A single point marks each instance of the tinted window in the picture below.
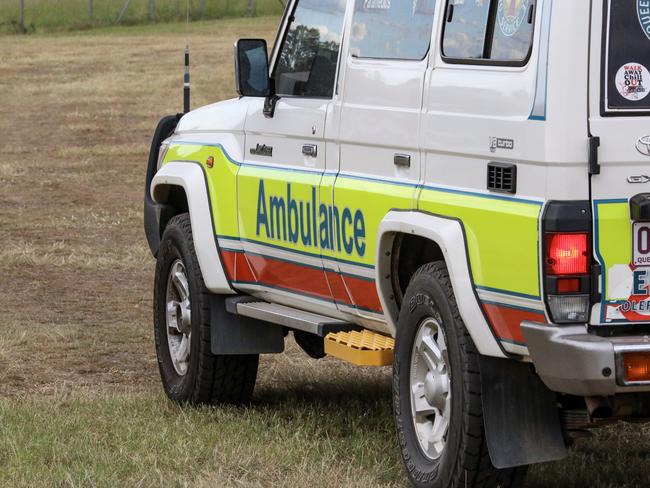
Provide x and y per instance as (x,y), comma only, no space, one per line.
(513,33)
(628,57)
(490,30)
(465,29)
(392,29)
(309,55)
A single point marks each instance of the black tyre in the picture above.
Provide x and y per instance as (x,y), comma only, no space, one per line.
(189,371)
(437,391)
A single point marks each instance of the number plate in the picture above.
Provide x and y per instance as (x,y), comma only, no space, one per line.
(641,240)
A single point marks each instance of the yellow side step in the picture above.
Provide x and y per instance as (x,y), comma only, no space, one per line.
(363,348)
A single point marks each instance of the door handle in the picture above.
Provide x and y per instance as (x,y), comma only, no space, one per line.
(310,150)
(403,160)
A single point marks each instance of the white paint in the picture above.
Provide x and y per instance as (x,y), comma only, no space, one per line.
(190,177)
(619,282)
(448,234)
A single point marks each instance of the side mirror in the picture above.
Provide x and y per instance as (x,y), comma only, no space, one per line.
(252,68)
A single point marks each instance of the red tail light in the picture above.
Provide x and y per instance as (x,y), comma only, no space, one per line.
(568,261)
(567,254)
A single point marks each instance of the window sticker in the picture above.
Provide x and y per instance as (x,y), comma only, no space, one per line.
(376,4)
(632,81)
(643,12)
(512,13)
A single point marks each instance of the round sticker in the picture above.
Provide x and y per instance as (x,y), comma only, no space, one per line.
(510,15)
(632,81)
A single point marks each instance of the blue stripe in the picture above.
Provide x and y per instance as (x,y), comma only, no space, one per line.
(483,195)
(238,251)
(512,307)
(610,200)
(266,256)
(601,261)
(603,302)
(405,184)
(309,295)
(296,251)
(537,112)
(287,169)
(298,263)
(207,144)
(506,292)
(370,179)
(350,275)
(275,287)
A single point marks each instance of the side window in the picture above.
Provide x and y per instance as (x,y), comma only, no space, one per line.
(392,29)
(489,31)
(309,55)
(465,31)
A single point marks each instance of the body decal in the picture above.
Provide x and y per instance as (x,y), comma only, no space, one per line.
(538,111)
(292,233)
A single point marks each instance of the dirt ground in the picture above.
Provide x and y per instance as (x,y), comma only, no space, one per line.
(76,118)
(77,112)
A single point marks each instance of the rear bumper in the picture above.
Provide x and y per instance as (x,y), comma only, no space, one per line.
(570,360)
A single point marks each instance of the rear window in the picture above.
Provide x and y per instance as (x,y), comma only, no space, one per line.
(488,31)
(627,56)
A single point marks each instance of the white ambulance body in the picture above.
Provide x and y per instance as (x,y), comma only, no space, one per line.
(459,188)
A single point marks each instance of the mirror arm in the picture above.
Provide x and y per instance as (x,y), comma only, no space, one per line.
(269,106)
(271,101)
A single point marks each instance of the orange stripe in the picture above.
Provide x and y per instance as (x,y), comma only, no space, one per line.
(244,271)
(506,322)
(290,276)
(228,259)
(364,293)
(348,290)
(339,292)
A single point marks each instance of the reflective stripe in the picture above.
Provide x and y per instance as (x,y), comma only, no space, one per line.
(326,250)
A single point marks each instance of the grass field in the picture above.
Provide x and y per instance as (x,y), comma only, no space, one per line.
(75,14)
(80,400)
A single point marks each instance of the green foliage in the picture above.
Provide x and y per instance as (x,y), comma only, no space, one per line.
(51,15)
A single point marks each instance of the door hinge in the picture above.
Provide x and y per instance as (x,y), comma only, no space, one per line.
(594,164)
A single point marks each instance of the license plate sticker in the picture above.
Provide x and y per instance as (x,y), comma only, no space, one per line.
(641,244)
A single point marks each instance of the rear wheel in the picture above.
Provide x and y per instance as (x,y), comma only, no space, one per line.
(437,391)
(189,371)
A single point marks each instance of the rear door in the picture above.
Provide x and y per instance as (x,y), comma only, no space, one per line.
(385,68)
(620,117)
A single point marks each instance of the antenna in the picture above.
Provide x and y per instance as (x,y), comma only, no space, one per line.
(186,77)
(186,81)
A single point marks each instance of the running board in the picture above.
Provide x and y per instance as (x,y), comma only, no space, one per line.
(292,318)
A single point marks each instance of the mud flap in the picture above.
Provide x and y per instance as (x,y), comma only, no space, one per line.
(522,424)
(235,334)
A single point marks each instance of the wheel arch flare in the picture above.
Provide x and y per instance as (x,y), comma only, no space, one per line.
(448,235)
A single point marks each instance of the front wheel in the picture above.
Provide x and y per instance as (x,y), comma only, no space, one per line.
(437,391)
(189,371)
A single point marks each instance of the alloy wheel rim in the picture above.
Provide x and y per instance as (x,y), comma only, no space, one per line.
(178,317)
(430,387)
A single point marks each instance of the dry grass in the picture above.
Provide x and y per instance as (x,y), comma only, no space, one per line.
(60,15)
(80,401)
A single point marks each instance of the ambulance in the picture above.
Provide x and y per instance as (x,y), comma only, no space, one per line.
(458,189)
